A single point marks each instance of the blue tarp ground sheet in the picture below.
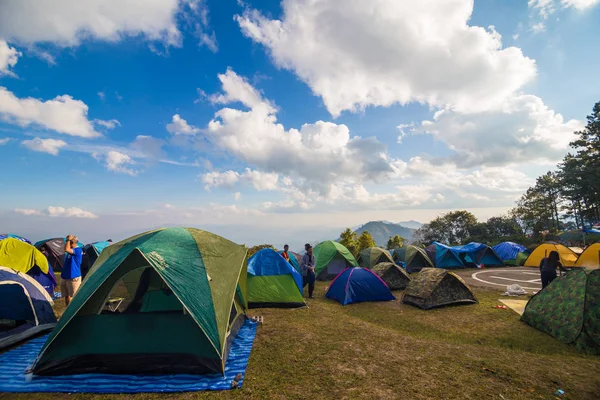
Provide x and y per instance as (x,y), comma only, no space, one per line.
(15,362)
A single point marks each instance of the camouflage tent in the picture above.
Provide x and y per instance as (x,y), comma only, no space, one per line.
(569,310)
(392,275)
(434,287)
(372,256)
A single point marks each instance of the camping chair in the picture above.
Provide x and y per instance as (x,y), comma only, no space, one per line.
(113,304)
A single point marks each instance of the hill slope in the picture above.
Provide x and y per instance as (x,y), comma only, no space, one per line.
(382,230)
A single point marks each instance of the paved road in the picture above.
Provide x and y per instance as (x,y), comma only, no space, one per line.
(500,278)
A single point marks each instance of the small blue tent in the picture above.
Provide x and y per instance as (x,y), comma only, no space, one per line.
(273,282)
(354,285)
(444,256)
(473,254)
(25,305)
(10,235)
(508,250)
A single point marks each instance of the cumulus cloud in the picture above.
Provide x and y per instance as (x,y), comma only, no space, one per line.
(8,58)
(110,124)
(179,126)
(50,146)
(119,162)
(62,114)
(523,129)
(67,23)
(355,53)
(228,179)
(321,152)
(52,211)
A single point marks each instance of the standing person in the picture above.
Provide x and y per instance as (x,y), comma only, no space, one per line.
(285,254)
(308,271)
(71,273)
(548,267)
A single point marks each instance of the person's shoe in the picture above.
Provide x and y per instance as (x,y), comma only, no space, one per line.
(310,297)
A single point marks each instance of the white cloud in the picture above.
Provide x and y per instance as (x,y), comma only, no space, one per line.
(179,126)
(538,27)
(50,146)
(195,13)
(547,7)
(62,114)
(67,22)
(119,162)
(321,153)
(261,180)
(524,129)
(101,95)
(52,211)
(3,141)
(110,124)
(355,53)
(8,58)
(215,179)
(237,196)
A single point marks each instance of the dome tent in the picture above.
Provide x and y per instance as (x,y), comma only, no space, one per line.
(568,309)
(433,287)
(23,257)
(331,258)
(355,285)
(273,282)
(415,258)
(10,235)
(473,254)
(444,256)
(393,276)
(25,308)
(54,250)
(590,258)
(567,256)
(91,252)
(511,253)
(188,303)
(372,256)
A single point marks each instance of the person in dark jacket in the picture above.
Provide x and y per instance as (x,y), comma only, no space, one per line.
(308,270)
(548,267)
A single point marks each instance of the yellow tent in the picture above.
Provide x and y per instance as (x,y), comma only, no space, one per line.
(567,256)
(590,258)
(21,256)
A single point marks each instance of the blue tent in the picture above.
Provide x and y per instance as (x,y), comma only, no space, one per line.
(24,304)
(273,282)
(473,254)
(354,285)
(508,250)
(10,235)
(444,256)
(293,261)
(92,252)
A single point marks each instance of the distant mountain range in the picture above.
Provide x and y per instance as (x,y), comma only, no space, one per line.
(382,230)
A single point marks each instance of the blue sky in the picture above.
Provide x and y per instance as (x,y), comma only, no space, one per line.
(267,122)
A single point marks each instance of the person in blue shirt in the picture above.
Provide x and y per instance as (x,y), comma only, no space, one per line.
(71,272)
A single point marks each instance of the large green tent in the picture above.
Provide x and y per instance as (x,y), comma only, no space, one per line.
(185,291)
(370,257)
(415,258)
(569,309)
(331,258)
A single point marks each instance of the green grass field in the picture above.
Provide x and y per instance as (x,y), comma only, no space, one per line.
(390,350)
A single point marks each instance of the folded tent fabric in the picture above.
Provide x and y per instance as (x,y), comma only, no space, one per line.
(508,251)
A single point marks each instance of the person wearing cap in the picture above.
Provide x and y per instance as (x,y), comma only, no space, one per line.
(71,272)
(308,270)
